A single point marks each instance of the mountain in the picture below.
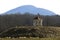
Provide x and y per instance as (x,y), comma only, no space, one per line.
(31,9)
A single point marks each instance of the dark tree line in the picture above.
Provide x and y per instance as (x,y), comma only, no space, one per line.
(13,20)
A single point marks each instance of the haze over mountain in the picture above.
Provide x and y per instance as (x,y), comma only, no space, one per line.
(30,9)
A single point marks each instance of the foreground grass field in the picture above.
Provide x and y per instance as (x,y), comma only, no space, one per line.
(29,38)
(53,33)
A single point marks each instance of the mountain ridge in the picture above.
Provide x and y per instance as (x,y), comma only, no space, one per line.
(30,9)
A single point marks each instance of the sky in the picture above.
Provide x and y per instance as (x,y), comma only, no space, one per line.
(52,5)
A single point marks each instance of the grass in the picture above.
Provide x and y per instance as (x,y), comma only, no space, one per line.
(29,38)
(46,29)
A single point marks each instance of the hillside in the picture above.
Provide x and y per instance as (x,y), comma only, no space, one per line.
(29,31)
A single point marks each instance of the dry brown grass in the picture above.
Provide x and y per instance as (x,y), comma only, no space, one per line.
(54,31)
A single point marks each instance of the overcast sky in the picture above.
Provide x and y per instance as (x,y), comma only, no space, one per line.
(52,5)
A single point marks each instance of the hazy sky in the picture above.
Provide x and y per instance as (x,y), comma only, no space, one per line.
(52,5)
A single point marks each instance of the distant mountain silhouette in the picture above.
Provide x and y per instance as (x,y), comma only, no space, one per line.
(31,9)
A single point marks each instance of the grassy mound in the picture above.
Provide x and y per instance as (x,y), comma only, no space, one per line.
(42,32)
